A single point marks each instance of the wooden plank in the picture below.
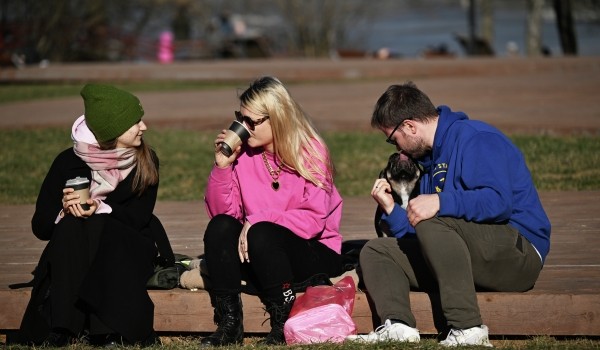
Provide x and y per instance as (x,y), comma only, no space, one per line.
(565,300)
(541,314)
(12,307)
(504,313)
(575,224)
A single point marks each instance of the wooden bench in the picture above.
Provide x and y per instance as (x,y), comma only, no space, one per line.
(564,302)
(531,313)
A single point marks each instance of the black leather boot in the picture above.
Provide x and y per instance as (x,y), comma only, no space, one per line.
(279,313)
(58,338)
(229,320)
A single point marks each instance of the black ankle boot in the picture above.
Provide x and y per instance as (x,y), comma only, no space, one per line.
(58,338)
(229,319)
(112,341)
(278,313)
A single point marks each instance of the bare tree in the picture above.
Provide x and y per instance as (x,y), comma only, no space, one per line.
(534,27)
(316,27)
(79,30)
(566,27)
(487,21)
(473,44)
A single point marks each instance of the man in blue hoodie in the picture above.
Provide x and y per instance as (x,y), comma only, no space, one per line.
(479,221)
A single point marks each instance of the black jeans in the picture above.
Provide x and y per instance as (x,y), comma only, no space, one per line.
(278,257)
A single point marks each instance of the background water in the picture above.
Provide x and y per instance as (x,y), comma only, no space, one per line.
(410,32)
(409,27)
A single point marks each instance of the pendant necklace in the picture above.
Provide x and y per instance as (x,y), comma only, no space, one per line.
(274,173)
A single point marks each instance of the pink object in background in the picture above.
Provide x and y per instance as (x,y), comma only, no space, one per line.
(165,47)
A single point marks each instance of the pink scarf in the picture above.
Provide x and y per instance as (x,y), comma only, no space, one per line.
(109,167)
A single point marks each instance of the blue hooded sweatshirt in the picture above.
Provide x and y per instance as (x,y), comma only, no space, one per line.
(480,176)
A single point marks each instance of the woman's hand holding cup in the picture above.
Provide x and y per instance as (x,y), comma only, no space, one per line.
(221,159)
(229,143)
(76,198)
(72,204)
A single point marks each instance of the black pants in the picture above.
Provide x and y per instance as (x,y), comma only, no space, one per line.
(92,276)
(450,256)
(278,257)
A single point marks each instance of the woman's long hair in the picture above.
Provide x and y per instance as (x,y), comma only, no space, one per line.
(294,135)
(146,173)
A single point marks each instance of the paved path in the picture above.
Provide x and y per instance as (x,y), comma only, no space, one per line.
(549,95)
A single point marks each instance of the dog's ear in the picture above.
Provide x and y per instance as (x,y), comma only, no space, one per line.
(382,174)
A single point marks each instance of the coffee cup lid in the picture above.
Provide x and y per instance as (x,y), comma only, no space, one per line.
(77,181)
(242,124)
(240,129)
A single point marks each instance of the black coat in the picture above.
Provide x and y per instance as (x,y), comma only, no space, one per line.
(92,274)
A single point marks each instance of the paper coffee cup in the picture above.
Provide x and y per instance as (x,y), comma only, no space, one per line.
(81,185)
(234,136)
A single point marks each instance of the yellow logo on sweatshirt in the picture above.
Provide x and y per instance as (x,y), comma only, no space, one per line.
(439,176)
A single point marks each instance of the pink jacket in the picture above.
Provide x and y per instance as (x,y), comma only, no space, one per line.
(244,191)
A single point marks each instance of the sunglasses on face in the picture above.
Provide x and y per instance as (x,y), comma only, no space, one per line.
(249,121)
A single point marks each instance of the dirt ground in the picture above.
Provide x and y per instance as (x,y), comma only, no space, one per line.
(546,95)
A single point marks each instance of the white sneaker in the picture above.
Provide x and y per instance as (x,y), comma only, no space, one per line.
(389,332)
(470,336)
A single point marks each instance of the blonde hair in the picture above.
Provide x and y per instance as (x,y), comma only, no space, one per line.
(294,134)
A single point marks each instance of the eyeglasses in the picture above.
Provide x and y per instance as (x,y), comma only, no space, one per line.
(249,121)
(389,139)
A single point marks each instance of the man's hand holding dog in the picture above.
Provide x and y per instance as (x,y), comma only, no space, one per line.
(422,207)
(382,193)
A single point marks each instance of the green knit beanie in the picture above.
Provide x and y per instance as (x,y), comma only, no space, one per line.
(109,111)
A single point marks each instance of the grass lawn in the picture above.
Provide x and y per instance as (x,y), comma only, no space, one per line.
(533,343)
(186,157)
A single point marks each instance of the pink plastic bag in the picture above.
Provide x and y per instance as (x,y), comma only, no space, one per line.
(322,314)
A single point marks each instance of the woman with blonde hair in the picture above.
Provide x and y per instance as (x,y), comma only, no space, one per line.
(275,212)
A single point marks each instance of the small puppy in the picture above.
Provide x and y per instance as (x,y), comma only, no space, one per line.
(402,173)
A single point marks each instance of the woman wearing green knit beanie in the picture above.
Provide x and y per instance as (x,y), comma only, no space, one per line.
(109,111)
(98,246)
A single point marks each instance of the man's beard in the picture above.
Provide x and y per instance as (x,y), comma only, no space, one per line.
(416,148)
